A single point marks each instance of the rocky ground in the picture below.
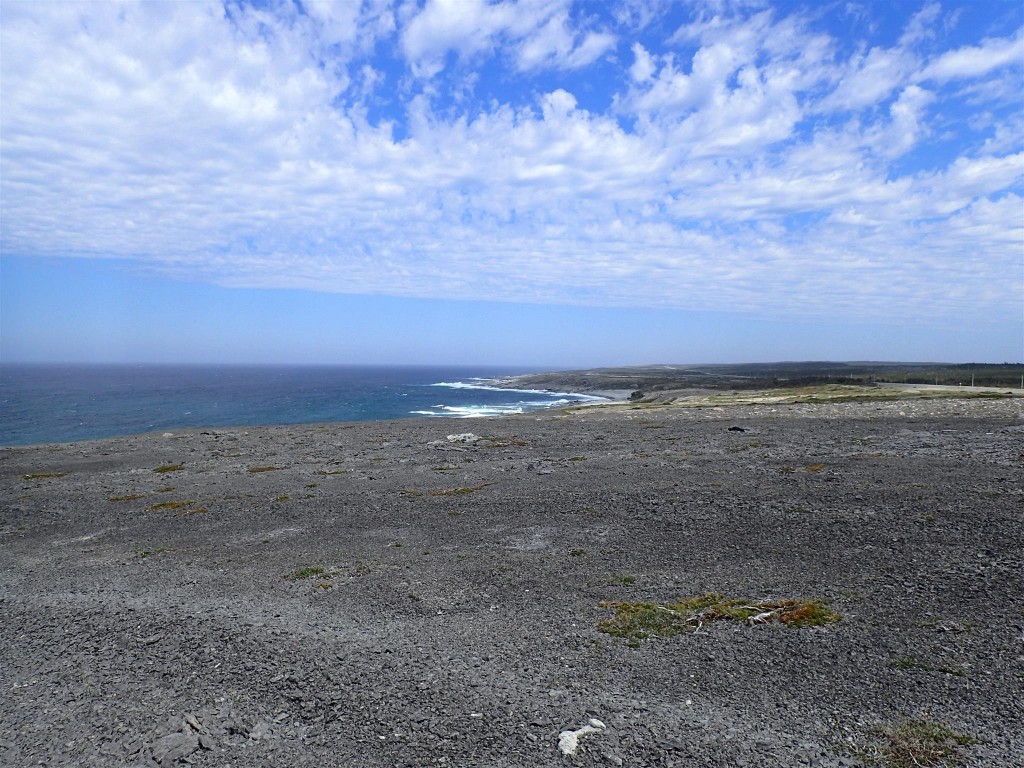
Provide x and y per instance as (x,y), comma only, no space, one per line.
(390,594)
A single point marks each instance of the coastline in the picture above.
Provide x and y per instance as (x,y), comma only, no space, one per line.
(292,594)
(56,404)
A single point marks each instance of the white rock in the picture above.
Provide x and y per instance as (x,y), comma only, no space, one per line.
(465,437)
(568,741)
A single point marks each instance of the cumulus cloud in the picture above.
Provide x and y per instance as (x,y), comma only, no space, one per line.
(744,159)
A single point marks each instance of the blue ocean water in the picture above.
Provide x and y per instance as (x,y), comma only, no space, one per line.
(63,403)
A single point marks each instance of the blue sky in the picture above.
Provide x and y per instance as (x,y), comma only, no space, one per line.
(532,182)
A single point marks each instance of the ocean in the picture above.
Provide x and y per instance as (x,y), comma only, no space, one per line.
(64,403)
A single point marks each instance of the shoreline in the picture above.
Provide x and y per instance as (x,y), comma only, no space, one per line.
(292,594)
(613,399)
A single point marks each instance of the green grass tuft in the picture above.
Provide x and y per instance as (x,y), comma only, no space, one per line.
(915,743)
(169,468)
(43,475)
(171,505)
(637,621)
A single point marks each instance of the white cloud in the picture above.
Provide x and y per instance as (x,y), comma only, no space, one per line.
(541,33)
(870,78)
(239,148)
(643,65)
(977,60)
(920,25)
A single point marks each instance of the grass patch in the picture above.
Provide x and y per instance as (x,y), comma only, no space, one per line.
(446,468)
(411,493)
(263,469)
(171,505)
(43,475)
(156,551)
(196,511)
(326,471)
(915,744)
(622,580)
(460,491)
(281,499)
(637,621)
(505,442)
(128,497)
(169,468)
(306,573)
(814,467)
(578,552)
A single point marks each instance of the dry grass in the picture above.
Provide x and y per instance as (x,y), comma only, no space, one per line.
(171,505)
(637,621)
(914,744)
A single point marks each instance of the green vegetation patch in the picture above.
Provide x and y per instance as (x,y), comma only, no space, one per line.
(157,551)
(43,475)
(504,442)
(325,471)
(306,573)
(622,580)
(194,511)
(171,505)
(915,744)
(637,621)
(169,468)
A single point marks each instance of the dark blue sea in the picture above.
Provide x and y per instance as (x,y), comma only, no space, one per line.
(63,403)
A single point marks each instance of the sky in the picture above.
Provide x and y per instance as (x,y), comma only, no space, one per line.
(545,183)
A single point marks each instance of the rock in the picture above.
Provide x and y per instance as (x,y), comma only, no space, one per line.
(569,741)
(206,741)
(170,748)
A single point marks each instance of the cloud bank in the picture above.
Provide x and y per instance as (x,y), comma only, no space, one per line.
(719,156)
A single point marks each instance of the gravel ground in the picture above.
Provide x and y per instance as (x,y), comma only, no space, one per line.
(151,617)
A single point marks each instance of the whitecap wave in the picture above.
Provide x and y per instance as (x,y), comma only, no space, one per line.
(492,388)
(470,411)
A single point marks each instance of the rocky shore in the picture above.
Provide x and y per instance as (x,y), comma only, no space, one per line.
(433,592)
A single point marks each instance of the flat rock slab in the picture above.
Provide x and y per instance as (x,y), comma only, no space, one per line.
(362,595)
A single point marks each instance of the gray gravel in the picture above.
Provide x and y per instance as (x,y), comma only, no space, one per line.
(460,628)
